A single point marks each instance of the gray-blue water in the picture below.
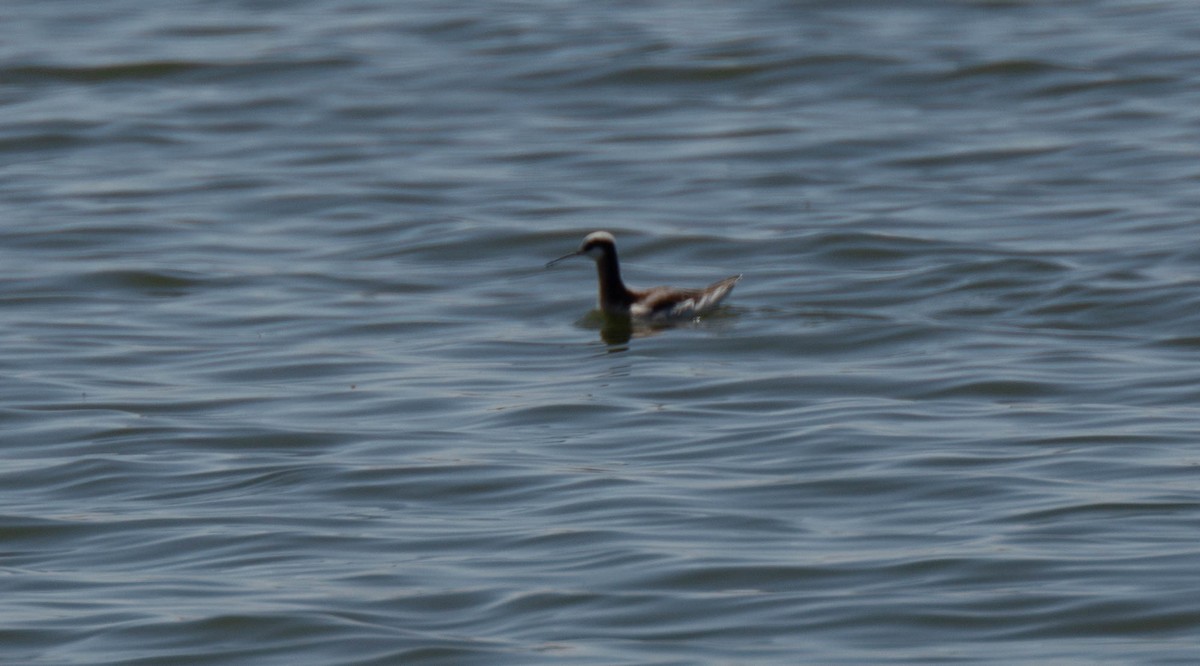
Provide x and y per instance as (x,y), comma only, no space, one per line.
(283,380)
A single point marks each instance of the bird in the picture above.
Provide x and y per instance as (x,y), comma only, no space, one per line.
(653,305)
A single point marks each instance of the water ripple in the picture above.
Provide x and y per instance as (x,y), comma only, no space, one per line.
(282,378)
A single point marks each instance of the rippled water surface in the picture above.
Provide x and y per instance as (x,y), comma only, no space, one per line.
(283,380)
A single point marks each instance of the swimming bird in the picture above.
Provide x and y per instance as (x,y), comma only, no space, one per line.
(656,304)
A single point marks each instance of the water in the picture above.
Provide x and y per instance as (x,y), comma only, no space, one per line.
(282,380)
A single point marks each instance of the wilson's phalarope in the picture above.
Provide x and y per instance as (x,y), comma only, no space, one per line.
(653,304)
